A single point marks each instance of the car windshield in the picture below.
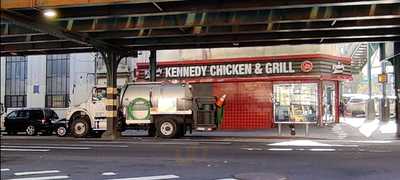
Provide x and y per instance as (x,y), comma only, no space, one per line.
(100,93)
(12,114)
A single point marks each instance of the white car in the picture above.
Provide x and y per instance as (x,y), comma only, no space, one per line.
(356,105)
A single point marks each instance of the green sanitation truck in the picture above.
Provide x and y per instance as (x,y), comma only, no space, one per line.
(164,110)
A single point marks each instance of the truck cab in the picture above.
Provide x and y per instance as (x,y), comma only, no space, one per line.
(90,116)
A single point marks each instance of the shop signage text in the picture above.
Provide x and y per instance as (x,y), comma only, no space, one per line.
(229,70)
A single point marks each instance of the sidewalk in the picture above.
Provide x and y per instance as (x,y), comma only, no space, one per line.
(348,129)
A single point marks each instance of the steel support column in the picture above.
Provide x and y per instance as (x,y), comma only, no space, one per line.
(384,111)
(153,65)
(396,65)
(111,60)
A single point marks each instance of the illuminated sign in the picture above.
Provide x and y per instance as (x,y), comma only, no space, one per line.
(217,69)
(338,68)
(306,66)
(244,69)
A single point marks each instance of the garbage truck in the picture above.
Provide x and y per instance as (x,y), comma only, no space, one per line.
(165,110)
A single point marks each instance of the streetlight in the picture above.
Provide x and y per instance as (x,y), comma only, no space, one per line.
(49,13)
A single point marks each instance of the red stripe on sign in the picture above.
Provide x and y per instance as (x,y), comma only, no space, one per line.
(323,57)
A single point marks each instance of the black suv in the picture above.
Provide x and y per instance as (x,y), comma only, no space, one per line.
(31,121)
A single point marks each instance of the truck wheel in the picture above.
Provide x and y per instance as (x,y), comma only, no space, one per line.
(167,128)
(80,128)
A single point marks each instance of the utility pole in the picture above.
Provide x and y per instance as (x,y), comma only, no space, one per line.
(371,104)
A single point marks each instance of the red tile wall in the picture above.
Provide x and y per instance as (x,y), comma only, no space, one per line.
(247,105)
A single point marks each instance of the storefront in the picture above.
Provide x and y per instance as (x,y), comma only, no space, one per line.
(264,90)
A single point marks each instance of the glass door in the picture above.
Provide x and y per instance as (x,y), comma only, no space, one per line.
(329,103)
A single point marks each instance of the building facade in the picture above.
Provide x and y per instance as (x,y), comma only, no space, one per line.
(53,81)
(61,81)
(263,90)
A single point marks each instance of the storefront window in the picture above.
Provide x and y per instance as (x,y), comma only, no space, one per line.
(296,102)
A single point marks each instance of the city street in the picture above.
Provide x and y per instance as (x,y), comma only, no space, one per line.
(199,90)
(141,158)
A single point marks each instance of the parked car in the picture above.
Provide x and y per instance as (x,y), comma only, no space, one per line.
(31,121)
(356,105)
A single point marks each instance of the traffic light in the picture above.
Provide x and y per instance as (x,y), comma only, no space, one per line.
(382,78)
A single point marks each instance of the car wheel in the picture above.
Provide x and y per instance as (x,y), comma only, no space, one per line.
(80,128)
(61,131)
(167,128)
(30,130)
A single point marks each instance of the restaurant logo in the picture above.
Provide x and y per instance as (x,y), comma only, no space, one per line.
(306,66)
(338,68)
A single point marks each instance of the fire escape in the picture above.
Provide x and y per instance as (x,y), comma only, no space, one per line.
(359,58)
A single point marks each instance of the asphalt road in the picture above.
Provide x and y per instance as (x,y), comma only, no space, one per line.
(136,158)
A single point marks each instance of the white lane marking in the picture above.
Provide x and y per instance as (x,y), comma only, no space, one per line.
(71,145)
(5,169)
(26,150)
(150,177)
(165,143)
(143,142)
(36,172)
(373,141)
(322,150)
(49,147)
(42,178)
(108,174)
(227,179)
(102,142)
(218,143)
(308,143)
(280,149)
(252,149)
